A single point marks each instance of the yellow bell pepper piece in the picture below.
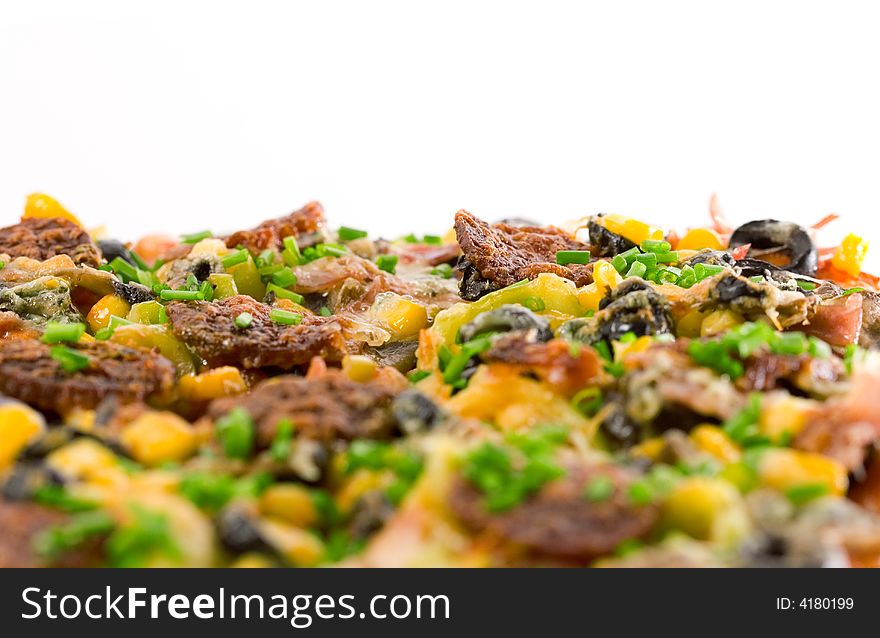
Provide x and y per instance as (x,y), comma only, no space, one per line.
(708,509)
(633,229)
(850,255)
(699,238)
(714,441)
(20,425)
(106,307)
(145,336)
(783,469)
(557,294)
(783,414)
(358,367)
(84,459)
(40,205)
(719,322)
(402,317)
(158,437)
(212,384)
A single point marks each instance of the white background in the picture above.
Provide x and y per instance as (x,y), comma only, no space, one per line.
(180,116)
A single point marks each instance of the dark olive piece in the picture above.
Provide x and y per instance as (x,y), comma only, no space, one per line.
(604,243)
(414,412)
(369,514)
(507,318)
(783,244)
(237,532)
(112,248)
(473,285)
(132,293)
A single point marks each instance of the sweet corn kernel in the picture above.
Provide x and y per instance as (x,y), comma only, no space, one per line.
(402,317)
(212,384)
(719,322)
(106,307)
(290,503)
(650,448)
(358,367)
(690,324)
(707,509)
(42,205)
(714,441)
(641,344)
(299,546)
(783,415)
(850,255)
(699,238)
(158,437)
(783,469)
(356,486)
(19,426)
(83,458)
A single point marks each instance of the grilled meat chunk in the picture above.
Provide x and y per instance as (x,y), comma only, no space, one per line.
(495,256)
(42,238)
(270,234)
(328,407)
(29,373)
(209,330)
(22,522)
(558,521)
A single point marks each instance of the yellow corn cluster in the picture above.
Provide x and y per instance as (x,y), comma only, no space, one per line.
(158,437)
(358,367)
(783,469)
(290,503)
(107,306)
(212,384)
(707,509)
(403,317)
(850,255)
(19,426)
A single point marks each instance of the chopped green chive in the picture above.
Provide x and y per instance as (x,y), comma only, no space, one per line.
(619,263)
(283,293)
(432,240)
(124,269)
(743,427)
(818,348)
(534,303)
(234,259)
(280,448)
(55,541)
(656,246)
(637,269)
(70,360)
(2,264)
(411,239)
(649,259)
(704,271)
(443,270)
(564,257)
(236,433)
(243,320)
(196,237)
(587,401)
(669,257)
(284,278)
(805,285)
(801,494)
(265,258)
(348,234)
(851,291)
(60,332)
(415,376)
(180,295)
(388,263)
(640,493)
(325,311)
(793,343)
(599,489)
(291,254)
(285,317)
